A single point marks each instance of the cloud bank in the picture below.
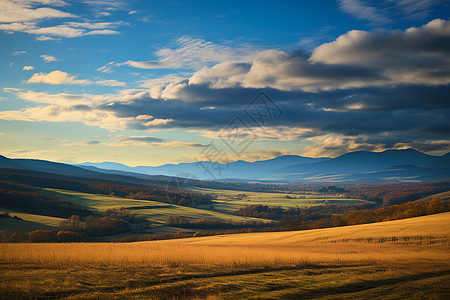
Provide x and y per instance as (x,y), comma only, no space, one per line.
(362,91)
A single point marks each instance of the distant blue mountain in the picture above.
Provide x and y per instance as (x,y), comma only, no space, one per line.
(360,166)
(80,173)
(206,170)
(364,166)
(364,161)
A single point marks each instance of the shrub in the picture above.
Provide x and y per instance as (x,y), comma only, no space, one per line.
(68,236)
(42,236)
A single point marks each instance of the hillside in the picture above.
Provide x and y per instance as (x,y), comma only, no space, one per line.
(405,259)
(429,227)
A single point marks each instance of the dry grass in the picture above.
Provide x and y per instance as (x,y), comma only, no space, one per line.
(406,256)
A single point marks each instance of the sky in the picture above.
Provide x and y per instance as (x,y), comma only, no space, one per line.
(156,82)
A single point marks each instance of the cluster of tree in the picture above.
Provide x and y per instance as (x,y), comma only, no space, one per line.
(331,189)
(240,185)
(178,196)
(118,221)
(39,236)
(395,193)
(27,199)
(178,221)
(306,213)
(115,221)
(364,216)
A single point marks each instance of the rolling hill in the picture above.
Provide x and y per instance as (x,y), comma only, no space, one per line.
(404,259)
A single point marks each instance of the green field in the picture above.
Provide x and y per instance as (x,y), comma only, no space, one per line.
(223,207)
(230,200)
(156,211)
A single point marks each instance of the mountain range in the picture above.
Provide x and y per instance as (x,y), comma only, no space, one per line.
(361,166)
(364,166)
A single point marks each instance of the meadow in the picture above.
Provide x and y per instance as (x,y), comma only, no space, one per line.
(390,260)
(156,211)
(222,208)
(231,200)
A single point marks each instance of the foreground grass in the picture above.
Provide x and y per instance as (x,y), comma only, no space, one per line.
(392,260)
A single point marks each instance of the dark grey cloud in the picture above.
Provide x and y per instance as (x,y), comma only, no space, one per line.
(148,139)
(363,91)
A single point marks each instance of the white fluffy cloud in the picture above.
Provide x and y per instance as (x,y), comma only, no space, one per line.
(27,68)
(88,109)
(24,10)
(60,77)
(56,77)
(402,57)
(25,16)
(355,59)
(48,58)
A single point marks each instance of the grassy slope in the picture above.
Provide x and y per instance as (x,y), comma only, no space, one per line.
(44,220)
(156,211)
(336,263)
(21,225)
(431,226)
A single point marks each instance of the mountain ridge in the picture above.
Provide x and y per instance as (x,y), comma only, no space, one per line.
(358,166)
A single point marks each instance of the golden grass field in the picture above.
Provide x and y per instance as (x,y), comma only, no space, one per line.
(392,260)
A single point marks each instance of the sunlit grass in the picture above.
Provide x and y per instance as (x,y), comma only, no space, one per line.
(156,211)
(405,256)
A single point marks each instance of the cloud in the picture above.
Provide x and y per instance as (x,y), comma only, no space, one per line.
(107,68)
(361,10)
(63,30)
(26,16)
(48,58)
(273,133)
(415,56)
(194,53)
(365,90)
(60,77)
(110,5)
(45,38)
(138,141)
(24,153)
(109,82)
(96,26)
(260,154)
(25,11)
(333,145)
(27,68)
(55,77)
(383,12)
(19,52)
(355,59)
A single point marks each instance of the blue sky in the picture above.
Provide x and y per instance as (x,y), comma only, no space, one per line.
(154,82)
